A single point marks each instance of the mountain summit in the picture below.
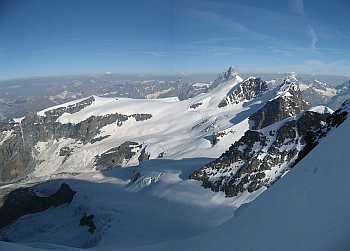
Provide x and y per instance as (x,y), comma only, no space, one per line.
(224,77)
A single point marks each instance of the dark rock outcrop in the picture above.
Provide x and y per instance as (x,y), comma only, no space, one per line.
(218,135)
(65,151)
(280,108)
(54,114)
(194,106)
(312,137)
(5,239)
(115,156)
(24,201)
(136,177)
(88,221)
(249,89)
(259,158)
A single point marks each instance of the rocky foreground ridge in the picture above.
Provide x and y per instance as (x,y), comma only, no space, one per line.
(283,132)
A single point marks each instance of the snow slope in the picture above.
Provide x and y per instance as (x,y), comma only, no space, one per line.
(308,209)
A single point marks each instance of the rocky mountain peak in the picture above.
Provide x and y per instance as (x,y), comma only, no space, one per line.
(288,102)
(224,77)
(292,77)
(231,71)
(344,87)
(248,89)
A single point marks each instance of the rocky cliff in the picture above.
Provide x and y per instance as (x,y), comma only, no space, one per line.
(261,157)
(282,133)
(249,89)
(288,102)
(18,139)
(24,201)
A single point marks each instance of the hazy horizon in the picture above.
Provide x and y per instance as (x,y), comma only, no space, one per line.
(191,78)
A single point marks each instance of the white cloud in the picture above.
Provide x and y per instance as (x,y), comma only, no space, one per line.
(236,28)
(313,37)
(297,7)
(108,73)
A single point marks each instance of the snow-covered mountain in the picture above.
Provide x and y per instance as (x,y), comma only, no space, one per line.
(343,93)
(128,161)
(250,88)
(224,77)
(316,92)
(260,158)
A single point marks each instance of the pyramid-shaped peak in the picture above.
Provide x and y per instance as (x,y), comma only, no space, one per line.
(224,77)
(231,70)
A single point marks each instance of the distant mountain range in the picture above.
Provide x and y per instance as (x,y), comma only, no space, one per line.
(31,95)
(316,92)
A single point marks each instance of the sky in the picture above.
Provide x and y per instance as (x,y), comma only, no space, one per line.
(183,37)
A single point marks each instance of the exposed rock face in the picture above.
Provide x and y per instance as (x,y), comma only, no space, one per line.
(17,139)
(65,151)
(136,176)
(115,156)
(15,153)
(218,135)
(312,137)
(88,221)
(223,77)
(288,104)
(56,113)
(249,89)
(63,196)
(182,96)
(23,201)
(259,158)
(194,106)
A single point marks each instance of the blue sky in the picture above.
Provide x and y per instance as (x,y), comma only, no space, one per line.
(43,38)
